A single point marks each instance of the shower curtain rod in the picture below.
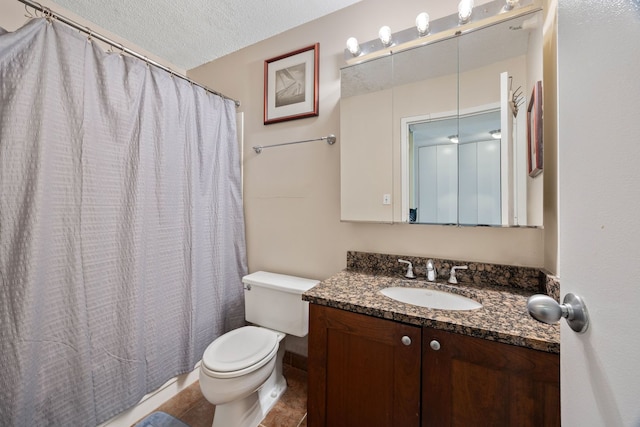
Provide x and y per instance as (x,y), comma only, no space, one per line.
(331,139)
(48,13)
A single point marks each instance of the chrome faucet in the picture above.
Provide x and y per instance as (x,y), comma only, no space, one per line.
(409,274)
(431,271)
(452,276)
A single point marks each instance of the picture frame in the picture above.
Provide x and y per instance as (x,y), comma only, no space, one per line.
(534,131)
(291,85)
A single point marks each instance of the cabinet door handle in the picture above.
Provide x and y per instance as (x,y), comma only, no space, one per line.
(406,340)
(435,345)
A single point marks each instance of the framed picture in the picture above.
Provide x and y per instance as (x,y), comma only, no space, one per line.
(534,130)
(291,85)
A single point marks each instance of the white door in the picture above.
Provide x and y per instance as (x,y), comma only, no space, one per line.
(437,183)
(599,208)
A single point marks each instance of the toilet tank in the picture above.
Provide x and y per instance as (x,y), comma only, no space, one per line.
(275,301)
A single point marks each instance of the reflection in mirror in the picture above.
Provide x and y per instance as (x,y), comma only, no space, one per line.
(368,77)
(482,178)
(456,176)
(494,63)
(366,173)
(465,85)
(425,90)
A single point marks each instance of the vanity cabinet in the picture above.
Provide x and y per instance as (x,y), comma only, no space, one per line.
(471,381)
(362,370)
(368,371)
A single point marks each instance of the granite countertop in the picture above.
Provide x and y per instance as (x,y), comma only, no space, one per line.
(502,318)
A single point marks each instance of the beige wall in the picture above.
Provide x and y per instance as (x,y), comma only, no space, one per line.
(12,17)
(550,137)
(292,193)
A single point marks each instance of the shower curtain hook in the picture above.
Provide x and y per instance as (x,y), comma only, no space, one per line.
(121,51)
(37,13)
(90,34)
(48,14)
(147,61)
(28,15)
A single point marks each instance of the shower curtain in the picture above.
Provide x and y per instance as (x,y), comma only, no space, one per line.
(121,227)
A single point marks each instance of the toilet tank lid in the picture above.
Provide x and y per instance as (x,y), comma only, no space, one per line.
(282,282)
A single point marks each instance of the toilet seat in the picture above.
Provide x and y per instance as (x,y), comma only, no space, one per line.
(240,352)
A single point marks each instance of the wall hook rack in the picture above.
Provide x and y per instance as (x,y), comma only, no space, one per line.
(331,139)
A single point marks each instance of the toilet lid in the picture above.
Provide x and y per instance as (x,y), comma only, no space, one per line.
(239,349)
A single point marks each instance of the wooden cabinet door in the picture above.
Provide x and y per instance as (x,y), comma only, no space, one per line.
(360,373)
(474,382)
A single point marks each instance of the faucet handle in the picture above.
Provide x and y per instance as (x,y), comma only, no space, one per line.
(431,271)
(409,274)
(452,277)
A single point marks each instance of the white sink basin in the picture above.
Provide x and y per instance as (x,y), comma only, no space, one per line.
(431,298)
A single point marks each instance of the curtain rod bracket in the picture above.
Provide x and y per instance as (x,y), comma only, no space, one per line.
(331,139)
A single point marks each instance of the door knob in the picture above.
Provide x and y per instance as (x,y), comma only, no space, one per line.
(435,345)
(547,310)
(406,340)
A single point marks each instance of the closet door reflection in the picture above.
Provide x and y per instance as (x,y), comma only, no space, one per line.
(437,184)
(479,188)
(425,109)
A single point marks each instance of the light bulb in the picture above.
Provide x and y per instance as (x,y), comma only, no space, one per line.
(454,139)
(385,35)
(422,23)
(465,8)
(496,134)
(510,4)
(353,46)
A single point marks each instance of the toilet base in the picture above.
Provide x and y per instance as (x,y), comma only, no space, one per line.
(251,410)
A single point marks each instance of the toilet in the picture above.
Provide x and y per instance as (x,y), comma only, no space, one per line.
(241,371)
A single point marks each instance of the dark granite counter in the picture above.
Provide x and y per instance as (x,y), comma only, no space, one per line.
(502,318)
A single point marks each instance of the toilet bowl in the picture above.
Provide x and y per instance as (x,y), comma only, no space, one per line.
(241,371)
(234,375)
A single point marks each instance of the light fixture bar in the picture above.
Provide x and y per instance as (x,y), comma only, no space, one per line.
(441,29)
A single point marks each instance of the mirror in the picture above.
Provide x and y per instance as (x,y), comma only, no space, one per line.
(366,174)
(462,150)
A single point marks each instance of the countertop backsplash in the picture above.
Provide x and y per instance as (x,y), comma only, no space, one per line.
(525,278)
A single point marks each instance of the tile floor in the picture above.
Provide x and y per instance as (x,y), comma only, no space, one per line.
(192,408)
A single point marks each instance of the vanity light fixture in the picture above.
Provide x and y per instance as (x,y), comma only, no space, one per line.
(496,134)
(454,139)
(353,46)
(385,36)
(465,9)
(428,31)
(422,24)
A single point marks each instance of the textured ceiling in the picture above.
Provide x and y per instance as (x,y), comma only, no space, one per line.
(189,33)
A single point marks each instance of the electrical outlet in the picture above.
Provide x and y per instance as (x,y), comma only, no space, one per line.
(386,199)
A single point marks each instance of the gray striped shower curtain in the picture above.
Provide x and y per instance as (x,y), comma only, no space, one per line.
(122,241)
